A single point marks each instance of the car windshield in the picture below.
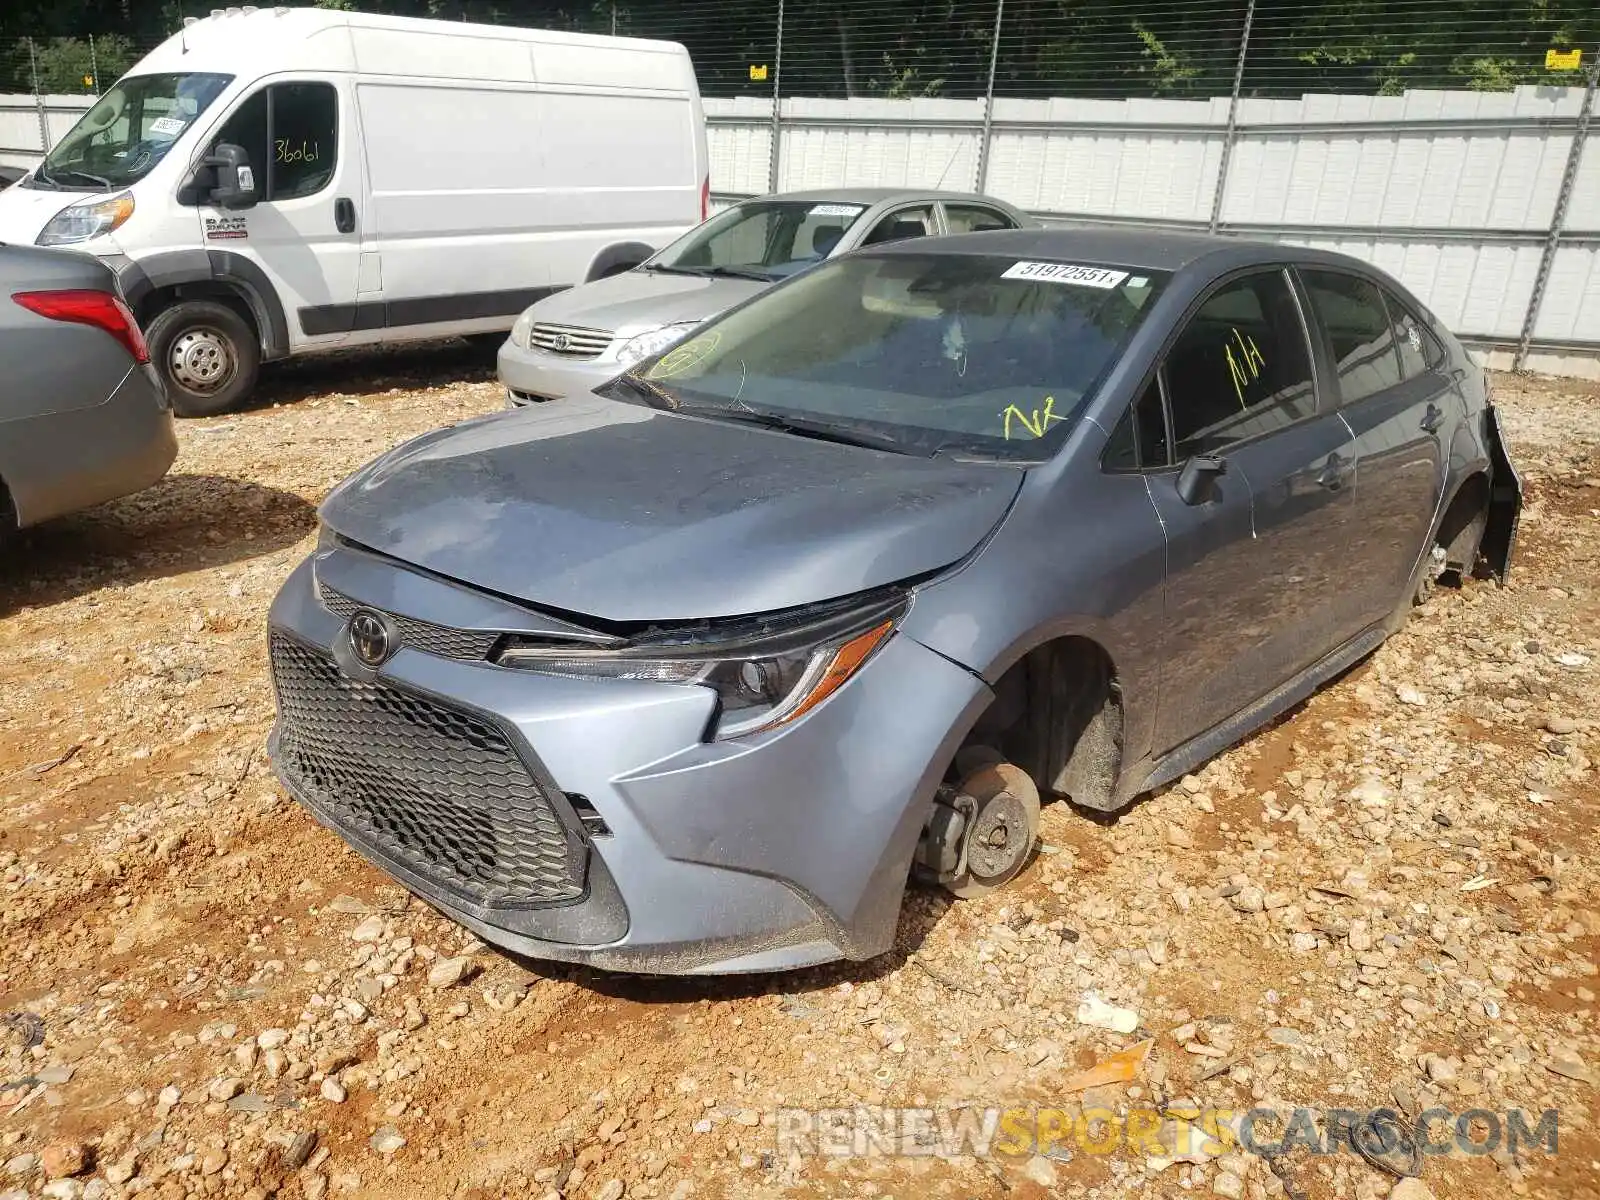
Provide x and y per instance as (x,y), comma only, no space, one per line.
(760,239)
(128,131)
(919,353)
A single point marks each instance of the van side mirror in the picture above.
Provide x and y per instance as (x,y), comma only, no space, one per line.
(235,179)
(1197,481)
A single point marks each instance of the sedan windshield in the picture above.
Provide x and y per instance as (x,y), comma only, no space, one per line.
(920,353)
(759,239)
(128,131)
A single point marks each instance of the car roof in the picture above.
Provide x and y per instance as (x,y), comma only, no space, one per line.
(1150,249)
(874,195)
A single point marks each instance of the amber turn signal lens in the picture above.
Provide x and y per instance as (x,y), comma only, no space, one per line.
(847,660)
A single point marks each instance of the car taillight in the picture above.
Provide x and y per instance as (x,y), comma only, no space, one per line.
(705,198)
(83,306)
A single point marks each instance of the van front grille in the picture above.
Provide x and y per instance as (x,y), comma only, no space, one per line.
(569,341)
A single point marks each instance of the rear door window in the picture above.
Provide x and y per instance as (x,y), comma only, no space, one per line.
(902,224)
(1420,351)
(1240,368)
(1358,329)
(975,218)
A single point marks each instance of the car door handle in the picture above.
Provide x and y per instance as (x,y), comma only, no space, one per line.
(1334,472)
(1432,418)
(344,215)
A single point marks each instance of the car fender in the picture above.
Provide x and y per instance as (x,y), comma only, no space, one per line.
(617,257)
(139,278)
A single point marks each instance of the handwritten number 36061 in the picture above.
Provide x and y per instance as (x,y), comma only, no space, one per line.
(304,152)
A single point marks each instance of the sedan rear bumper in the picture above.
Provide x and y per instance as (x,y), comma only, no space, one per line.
(61,462)
(764,853)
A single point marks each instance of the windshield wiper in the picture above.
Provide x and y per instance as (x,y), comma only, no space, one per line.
(665,270)
(740,273)
(94,179)
(652,395)
(799,426)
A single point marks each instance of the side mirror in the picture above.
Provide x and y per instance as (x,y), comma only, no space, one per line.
(235,179)
(1197,481)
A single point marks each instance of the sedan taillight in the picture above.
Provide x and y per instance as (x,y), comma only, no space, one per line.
(83,306)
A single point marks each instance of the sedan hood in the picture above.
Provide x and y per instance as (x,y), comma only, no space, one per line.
(639,300)
(623,513)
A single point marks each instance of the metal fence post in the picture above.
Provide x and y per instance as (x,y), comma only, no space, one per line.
(1569,179)
(777,119)
(988,99)
(38,101)
(94,67)
(1233,118)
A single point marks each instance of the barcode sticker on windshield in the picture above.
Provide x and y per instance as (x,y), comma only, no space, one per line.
(834,210)
(1095,277)
(168,126)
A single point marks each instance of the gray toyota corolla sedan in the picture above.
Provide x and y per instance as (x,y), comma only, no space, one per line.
(690,674)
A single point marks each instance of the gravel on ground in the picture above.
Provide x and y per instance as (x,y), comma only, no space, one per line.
(1387,898)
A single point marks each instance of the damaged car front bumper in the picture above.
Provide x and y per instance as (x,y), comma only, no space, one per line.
(593,821)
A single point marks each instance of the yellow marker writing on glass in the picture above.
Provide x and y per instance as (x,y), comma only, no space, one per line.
(1035,424)
(1247,366)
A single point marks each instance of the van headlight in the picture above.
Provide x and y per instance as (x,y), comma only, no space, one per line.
(765,672)
(653,341)
(80,222)
(521,329)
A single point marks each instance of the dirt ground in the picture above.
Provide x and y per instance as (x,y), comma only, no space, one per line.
(1387,898)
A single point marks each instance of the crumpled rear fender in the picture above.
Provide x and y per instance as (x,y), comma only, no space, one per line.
(1505,501)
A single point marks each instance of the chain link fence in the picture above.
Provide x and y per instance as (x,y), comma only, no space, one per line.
(1209,104)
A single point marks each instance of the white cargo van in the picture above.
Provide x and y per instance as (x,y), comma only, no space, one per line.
(275,182)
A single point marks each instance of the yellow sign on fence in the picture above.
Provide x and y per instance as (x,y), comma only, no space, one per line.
(758,74)
(1562,60)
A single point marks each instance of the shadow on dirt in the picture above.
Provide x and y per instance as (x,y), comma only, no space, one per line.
(184,523)
(371,370)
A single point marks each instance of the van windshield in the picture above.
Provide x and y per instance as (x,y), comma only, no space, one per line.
(759,239)
(128,131)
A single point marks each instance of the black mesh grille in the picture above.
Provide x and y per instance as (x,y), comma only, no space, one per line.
(439,791)
(419,635)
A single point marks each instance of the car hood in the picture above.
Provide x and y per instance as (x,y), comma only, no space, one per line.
(24,212)
(624,513)
(638,300)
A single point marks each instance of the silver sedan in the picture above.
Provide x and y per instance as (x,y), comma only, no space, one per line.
(580,338)
(83,417)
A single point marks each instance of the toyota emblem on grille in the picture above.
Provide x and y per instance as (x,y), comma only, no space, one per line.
(560,343)
(370,638)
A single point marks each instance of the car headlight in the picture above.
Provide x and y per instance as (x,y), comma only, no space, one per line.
(653,342)
(521,329)
(80,222)
(765,671)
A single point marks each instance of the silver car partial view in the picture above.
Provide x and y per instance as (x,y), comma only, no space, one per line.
(579,339)
(83,416)
(693,672)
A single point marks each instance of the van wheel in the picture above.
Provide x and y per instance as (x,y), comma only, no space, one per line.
(207,354)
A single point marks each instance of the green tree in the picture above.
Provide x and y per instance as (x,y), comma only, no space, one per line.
(75,66)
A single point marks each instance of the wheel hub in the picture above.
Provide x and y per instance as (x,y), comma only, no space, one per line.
(202,360)
(998,840)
